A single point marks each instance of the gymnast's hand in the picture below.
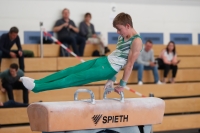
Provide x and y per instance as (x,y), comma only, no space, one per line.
(119,89)
(108,85)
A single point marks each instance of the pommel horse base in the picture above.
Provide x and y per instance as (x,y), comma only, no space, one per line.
(90,116)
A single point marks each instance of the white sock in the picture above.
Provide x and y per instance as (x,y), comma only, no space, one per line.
(32,80)
(28,82)
(28,78)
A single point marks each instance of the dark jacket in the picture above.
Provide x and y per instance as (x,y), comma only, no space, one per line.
(83,29)
(7,78)
(65,31)
(6,44)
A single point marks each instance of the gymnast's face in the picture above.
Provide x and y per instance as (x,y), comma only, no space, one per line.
(122,30)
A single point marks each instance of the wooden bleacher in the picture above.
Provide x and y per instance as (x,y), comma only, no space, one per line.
(56,64)
(182,99)
(179,90)
(52,50)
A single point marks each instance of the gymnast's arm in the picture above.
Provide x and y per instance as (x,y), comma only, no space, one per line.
(133,55)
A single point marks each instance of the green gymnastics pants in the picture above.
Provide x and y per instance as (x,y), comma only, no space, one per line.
(87,72)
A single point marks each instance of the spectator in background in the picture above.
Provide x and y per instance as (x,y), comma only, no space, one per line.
(87,30)
(10,81)
(68,33)
(168,60)
(7,40)
(146,61)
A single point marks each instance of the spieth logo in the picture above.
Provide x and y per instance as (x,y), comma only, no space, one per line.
(109,119)
(96,119)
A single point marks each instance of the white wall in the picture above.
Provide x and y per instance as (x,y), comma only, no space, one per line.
(166,16)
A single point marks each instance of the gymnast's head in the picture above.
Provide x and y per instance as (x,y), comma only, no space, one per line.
(123,23)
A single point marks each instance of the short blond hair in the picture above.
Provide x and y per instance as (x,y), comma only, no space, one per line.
(122,19)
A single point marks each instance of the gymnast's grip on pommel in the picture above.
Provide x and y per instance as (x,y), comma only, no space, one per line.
(110,90)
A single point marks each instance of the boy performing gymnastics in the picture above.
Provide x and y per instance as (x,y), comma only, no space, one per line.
(128,48)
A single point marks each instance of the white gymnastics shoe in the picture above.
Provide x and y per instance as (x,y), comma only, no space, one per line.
(28,82)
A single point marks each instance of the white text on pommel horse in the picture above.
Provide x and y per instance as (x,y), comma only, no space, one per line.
(115,119)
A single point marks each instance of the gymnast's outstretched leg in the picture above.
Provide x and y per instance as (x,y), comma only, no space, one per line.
(102,70)
(68,71)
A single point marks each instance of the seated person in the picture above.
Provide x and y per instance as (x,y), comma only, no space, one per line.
(87,30)
(10,81)
(7,40)
(146,61)
(168,60)
(68,33)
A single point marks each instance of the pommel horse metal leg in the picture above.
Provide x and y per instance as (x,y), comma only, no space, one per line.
(100,116)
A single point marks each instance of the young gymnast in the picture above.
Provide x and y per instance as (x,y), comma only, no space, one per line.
(128,48)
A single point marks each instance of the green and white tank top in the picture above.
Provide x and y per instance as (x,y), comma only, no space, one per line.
(119,57)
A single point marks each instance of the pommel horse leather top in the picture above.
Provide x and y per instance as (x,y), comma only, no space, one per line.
(106,113)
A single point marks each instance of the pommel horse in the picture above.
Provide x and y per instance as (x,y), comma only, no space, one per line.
(96,116)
